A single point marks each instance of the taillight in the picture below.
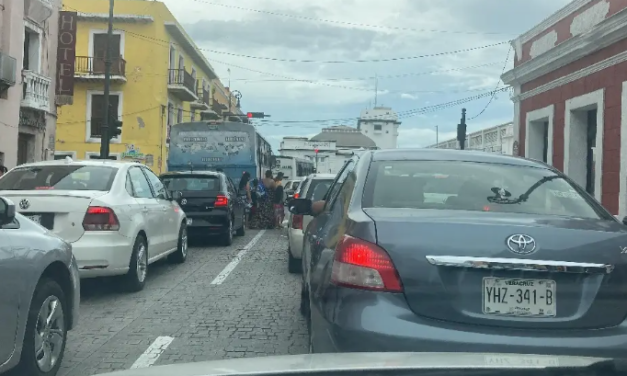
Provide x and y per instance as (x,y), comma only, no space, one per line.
(100,218)
(364,265)
(297,221)
(296,195)
(221,201)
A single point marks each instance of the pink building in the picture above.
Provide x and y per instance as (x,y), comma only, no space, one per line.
(28,53)
(570,96)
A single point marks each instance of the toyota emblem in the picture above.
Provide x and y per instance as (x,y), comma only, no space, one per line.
(521,244)
(24,204)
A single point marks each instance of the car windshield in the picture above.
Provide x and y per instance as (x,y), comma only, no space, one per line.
(454,185)
(318,188)
(191,183)
(66,177)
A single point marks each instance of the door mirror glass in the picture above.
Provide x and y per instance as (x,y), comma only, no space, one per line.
(300,206)
(7,211)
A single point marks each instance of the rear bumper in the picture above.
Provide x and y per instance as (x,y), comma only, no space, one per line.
(102,254)
(205,224)
(295,238)
(374,322)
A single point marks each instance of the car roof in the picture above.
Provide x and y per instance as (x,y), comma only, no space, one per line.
(204,173)
(322,176)
(83,162)
(452,155)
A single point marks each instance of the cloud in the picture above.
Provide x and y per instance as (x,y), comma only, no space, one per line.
(459,24)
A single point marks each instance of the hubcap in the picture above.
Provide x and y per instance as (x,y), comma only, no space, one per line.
(184,242)
(142,263)
(49,334)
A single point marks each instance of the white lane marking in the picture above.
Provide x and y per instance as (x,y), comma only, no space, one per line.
(153,352)
(229,268)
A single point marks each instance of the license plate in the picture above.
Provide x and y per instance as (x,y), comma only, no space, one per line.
(34,218)
(519,297)
(189,221)
(513,361)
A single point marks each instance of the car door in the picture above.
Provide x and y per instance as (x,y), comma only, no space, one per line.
(169,217)
(150,209)
(12,294)
(238,204)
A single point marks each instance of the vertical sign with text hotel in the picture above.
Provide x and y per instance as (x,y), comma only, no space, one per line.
(66,58)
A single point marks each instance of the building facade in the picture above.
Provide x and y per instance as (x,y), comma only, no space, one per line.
(159,78)
(570,96)
(380,124)
(28,54)
(497,139)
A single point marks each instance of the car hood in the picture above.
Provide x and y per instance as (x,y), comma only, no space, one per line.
(358,361)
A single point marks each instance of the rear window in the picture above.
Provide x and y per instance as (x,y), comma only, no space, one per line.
(475,187)
(318,188)
(66,177)
(191,183)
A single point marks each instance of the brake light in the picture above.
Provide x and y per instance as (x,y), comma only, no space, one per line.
(221,201)
(364,265)
(297,221)
(100,218)
(296,195)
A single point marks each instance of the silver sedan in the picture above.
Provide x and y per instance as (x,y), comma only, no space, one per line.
(39,295)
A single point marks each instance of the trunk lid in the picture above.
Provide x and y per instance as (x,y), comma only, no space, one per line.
(457,266)
(61,212)
(199,201)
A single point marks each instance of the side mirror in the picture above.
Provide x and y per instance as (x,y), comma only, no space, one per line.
(300,206)
(7,211)
(624,221)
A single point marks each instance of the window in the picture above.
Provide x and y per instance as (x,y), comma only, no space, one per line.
(454,185)
(193,116)
(156,184)
(70,177)
(90,155)
(32,51)
(99,51)
(97,113)
(59,155)
(334,190)
(318,188)
(378,127)
(141,187)
(179,116)
(191,183)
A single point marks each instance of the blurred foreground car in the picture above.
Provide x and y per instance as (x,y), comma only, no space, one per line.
(39,298)
(446,250)
(117,215)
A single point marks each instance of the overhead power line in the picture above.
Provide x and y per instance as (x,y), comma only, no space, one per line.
(344,23)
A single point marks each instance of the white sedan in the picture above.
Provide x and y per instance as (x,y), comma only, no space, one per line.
(117,215)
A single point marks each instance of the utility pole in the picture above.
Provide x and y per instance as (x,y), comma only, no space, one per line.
(104,136)
(461,131)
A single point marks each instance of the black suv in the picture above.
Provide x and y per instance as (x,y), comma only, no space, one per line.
(211,201)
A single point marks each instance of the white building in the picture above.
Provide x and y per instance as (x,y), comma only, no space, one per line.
(380,124)
(334,145)
(497,139)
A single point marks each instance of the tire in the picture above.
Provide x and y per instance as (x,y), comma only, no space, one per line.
(227,236)
(242,230)
(46,294)
(180,255)
(293,264)
(135,279)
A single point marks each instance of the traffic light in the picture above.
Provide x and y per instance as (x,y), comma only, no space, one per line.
(256,115)
(115,129)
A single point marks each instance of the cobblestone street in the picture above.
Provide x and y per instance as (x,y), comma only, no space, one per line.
(224,302)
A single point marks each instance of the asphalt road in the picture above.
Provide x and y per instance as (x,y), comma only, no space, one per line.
(224,302)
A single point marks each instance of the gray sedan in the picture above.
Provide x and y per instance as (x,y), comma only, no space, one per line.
(443,250)
(39,295)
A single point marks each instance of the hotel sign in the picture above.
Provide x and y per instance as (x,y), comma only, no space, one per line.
(66,58)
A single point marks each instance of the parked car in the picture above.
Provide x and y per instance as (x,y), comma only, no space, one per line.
(290,188)
(314,187)
(211,202)
(516,259)
(39,298)
(117,215)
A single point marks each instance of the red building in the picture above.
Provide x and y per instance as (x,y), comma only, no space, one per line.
(570,96)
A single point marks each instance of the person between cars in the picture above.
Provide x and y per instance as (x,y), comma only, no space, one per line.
(279,208)
(244,184)
(3,170)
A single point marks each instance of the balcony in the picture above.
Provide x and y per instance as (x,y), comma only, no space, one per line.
(92,69)
(38,10)
(203,102)
(182,85)
(36,91)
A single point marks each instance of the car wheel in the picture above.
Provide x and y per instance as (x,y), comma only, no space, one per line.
(242,230)
(227,236)
(135,279)
(180,255)
(293,264)
(46,331)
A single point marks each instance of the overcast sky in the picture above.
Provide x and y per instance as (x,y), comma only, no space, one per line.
(280,30)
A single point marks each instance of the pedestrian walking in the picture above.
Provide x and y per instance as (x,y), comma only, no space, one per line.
(279,206)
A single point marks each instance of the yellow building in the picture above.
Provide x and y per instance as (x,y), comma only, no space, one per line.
(159,78)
